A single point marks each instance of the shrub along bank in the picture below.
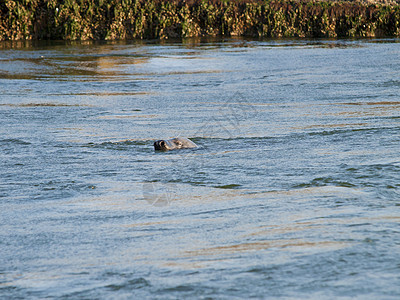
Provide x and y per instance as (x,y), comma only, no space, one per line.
(158,19)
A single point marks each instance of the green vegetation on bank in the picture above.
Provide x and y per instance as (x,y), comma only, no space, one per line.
(149,19)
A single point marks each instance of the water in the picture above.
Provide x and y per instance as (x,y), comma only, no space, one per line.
(293,192)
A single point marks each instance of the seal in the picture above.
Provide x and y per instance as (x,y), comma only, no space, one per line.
(176,143)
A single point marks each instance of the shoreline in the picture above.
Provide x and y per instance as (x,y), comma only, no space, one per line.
(158,19)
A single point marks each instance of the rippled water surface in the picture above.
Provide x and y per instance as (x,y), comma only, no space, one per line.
(292,193)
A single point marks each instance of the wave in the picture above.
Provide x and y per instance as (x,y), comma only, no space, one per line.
(118,145)
(382,176)
(325,181)
(13,142)
(46,104)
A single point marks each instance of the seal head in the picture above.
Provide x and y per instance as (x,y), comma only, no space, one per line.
(176,143)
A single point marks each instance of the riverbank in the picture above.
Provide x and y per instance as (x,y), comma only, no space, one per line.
(157,19)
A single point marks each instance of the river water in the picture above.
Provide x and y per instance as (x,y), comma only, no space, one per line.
(294,191)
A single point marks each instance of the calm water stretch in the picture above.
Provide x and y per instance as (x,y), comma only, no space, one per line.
(293,193)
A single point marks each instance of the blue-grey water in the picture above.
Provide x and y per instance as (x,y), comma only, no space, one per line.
(294,191)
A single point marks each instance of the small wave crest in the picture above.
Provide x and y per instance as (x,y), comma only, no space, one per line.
(117,145)
(13,142)
(46,104)
(325,181)
(363,176)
